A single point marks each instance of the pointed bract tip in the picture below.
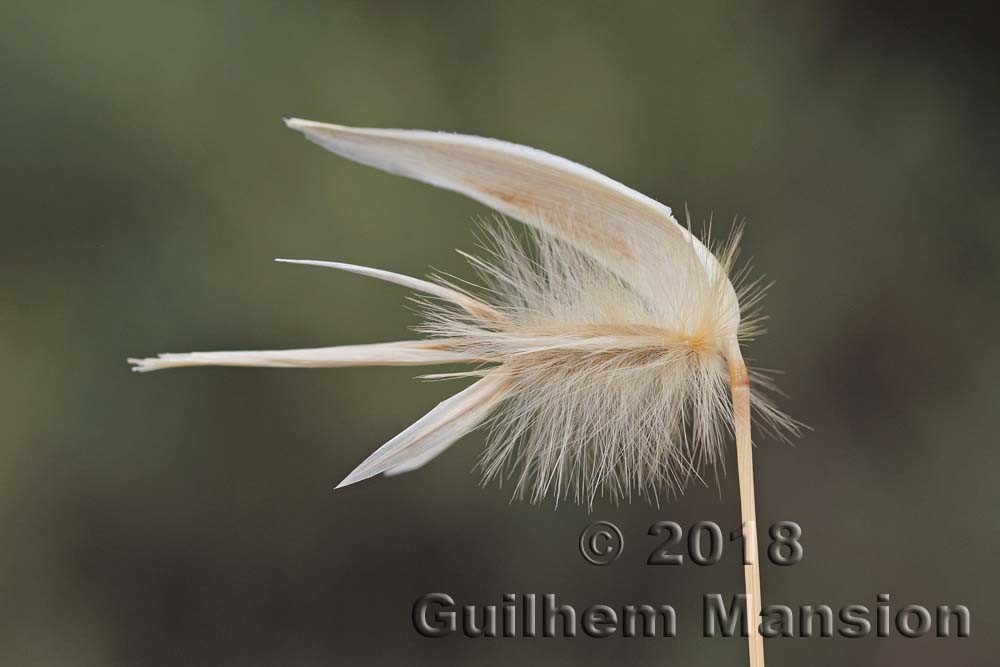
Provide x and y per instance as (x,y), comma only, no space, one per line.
(347,482)
(306,127)
(314,262)
(309,126)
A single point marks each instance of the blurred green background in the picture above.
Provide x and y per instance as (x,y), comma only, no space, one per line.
(189,517)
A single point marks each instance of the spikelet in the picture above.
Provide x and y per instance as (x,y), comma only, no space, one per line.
(606,347)
(601,339)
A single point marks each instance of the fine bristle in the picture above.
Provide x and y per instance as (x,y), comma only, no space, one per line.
(610,394)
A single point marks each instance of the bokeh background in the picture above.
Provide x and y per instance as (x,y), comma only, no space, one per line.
(189,517)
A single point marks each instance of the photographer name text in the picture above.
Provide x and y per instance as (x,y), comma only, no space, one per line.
(533,615)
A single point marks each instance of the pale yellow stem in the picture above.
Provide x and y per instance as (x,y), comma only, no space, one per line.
(740,384)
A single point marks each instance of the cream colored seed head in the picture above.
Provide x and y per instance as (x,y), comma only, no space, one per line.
(603,342)
(606,348)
